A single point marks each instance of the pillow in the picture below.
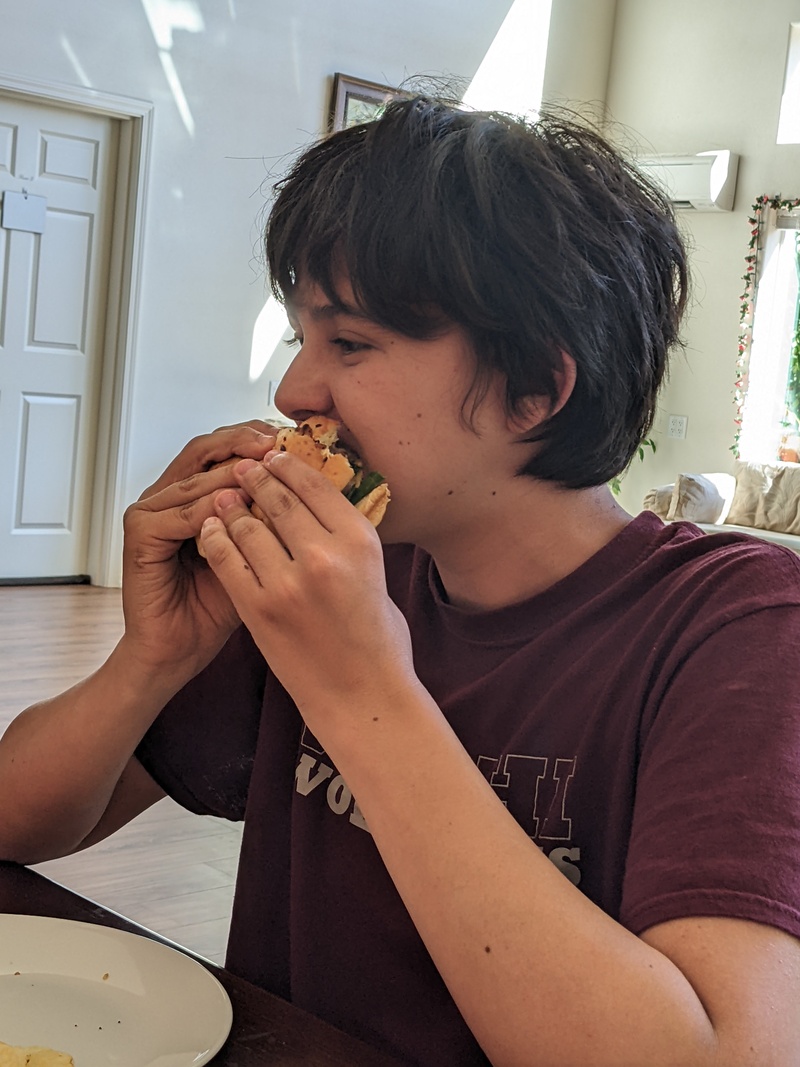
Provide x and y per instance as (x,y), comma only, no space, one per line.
(781,503)
(753,480)
(658,500)
(702,497)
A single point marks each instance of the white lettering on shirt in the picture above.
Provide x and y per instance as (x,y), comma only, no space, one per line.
(537,800)
(311,773)
(304,781)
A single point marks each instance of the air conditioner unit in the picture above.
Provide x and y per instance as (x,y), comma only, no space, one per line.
(705,182)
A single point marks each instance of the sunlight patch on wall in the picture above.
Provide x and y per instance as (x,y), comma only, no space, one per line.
(75,63)
(165,16)
(511,75)
(178,95)
(268,332)
(789,121)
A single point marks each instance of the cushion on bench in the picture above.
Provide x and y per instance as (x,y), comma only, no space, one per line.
(759,499)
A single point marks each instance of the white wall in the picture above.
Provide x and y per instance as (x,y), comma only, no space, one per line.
(686,76)
(256,78)
(579,55)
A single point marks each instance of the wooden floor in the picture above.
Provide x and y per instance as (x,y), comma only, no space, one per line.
(169,870)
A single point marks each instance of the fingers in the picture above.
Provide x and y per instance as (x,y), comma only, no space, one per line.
(176,512)
(232,541)
(250,440)
(252,566)
(301,508)
(278,515)
(292,495)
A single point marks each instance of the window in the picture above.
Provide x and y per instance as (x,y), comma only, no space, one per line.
(768,378)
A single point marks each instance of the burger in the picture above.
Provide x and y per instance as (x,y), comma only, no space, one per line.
(316,442)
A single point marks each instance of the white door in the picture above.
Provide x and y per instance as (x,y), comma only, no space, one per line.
(53,296)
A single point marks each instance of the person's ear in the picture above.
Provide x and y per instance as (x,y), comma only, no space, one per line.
(534,410)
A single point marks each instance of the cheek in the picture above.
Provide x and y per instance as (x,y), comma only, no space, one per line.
(411,441)
(407,428)
(427,469)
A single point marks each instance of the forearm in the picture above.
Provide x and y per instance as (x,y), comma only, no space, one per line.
(540,973)
(61,759)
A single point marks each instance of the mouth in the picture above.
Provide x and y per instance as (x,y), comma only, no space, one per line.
(349,443)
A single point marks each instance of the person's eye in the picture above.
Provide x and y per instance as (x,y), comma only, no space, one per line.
(348,347)
(292,342)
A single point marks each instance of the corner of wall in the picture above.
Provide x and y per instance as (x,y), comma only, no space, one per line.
(579,54)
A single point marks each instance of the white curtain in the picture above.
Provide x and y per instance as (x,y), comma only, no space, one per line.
(774,324)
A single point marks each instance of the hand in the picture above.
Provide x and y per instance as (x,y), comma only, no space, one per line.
(312,593)
(244,439)
(177,615)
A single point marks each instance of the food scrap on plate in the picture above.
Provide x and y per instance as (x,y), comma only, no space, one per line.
(33,1056)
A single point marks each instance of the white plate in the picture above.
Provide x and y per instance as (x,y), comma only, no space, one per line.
(107,997)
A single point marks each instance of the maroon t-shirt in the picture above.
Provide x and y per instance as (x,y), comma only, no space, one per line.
(640,719)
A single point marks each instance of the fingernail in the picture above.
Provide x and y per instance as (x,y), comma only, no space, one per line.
(246,465)
(226,499)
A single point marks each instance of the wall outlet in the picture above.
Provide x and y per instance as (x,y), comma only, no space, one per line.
(676,426)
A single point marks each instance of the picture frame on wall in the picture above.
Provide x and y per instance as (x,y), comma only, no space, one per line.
(354,100)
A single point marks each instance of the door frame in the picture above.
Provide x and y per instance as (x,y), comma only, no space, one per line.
(135,124)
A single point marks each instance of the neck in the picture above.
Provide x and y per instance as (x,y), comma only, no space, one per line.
(547,534)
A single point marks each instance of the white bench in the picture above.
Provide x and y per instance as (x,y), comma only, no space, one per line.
(786,539)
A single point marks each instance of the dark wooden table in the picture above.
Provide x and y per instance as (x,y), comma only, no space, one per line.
(266,1030)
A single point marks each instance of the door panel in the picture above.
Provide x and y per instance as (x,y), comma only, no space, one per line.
(46,477)
(72,158)
(53,291)
(59,281)
(8,139)
(4,243)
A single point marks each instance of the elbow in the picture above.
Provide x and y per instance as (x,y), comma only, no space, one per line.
(24,850)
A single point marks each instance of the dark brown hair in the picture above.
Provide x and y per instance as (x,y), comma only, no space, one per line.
(535,238)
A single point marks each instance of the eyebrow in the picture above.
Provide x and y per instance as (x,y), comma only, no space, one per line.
(324,312)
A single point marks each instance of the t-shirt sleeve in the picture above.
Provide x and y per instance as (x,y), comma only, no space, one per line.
(201,747)
(716,828)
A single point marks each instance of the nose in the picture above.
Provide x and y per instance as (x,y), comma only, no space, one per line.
(304,389)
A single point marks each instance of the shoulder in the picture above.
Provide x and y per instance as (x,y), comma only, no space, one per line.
(681,556)
(697,607)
